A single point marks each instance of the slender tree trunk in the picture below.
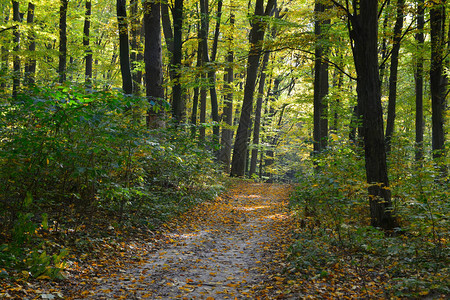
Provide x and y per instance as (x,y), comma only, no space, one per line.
(258,109)
(364,34)
(124,47)
(227,133)
(153,63)
(16,58)
(203,96)
(86,43)
(419,80)
(393,74)
(438,83)
(30,66)
(195,99)
(62,64)
(136,49)
(211,74)
(320,82)
(256,37)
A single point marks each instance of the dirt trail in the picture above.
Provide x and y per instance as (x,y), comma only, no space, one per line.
(219,250)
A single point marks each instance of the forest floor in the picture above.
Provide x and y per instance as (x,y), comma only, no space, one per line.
(232,247)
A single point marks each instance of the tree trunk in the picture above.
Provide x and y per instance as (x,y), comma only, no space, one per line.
(364,35)
(30,66)
(393,74)
(258,109)
(227,133)
(438,83)
(320,82)
(211,74)
(86,44)
(419,80)
(153,63)
(256,37)
(177,93)
(16,58)
(136,49)
(62,40)
(124,48)
(195,99)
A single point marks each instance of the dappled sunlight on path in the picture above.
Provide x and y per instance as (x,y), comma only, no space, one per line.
(219,250)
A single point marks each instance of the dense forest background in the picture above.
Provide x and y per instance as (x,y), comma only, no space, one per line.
(125,113)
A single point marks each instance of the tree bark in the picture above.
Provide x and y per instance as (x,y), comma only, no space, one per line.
(321,86)
(364,35)
(258,109)
(62,40)
(227,133)
(212,73)
(30,65)
(177,93)
(124,47)
(16,58)
(419,80)
(86,44)
(438,83)
(153,63)
(393,74)
(136,49)
(256,37)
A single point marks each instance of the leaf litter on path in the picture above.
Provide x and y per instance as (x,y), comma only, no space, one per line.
(219,250)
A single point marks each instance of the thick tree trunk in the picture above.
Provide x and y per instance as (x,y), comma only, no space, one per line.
(256,37)
(62,40)
(419,80)
(321,86)
(393,74)
(153,63)
(124,47)
(227,115)
(364,27)
(30,65)
(16,58)
(178,105)
(258,109)
(438,82)
(86,44)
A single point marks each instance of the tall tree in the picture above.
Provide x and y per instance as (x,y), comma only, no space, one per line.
(438,82)
(30,65)
(419,79)
(393,74)
(86,43)
(258,111)
(227,114)
(62,65)
(204,28)
(135,44)
(321,85)
(177,97)
(124,47)
(256,37)
(153,63)
(363,29)
(16,59)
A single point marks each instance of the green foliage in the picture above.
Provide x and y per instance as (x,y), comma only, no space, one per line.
(332,206)
(67,156)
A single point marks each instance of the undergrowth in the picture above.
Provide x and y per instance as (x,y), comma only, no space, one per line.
(332,205)
(79,166)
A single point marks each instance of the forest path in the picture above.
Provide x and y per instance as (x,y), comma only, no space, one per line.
(224,249)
